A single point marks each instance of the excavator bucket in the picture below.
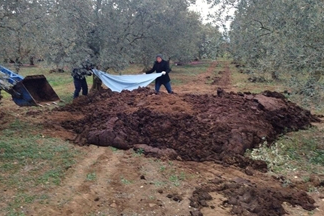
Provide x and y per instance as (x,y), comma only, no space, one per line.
(34,91)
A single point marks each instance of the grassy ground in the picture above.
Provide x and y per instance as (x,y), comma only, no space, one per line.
(240,81)
(30,165)
(297,155)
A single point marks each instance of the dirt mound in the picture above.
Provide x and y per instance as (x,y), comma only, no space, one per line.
(197,127)
(247,198)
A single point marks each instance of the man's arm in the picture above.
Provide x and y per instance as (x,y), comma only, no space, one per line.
(167,67)
(152,70)
(84,71)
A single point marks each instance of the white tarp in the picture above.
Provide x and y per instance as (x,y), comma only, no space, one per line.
(119,83)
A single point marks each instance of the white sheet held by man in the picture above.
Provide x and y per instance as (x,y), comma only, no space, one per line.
(119,83)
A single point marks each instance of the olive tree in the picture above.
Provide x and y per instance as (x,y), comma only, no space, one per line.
(20,26)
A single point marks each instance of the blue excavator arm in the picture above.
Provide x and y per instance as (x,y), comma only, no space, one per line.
(27,91)
(10,76)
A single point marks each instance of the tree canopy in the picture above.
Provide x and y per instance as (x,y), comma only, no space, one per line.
(109,33)
(278,38)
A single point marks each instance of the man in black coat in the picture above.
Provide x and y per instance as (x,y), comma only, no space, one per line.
(161,66)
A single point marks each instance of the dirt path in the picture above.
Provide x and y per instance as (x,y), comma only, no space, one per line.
(218,75)
(224,80)
(112,182)
(198,84)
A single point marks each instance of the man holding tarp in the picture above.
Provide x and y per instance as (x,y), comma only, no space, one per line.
(161,66)
(118,83)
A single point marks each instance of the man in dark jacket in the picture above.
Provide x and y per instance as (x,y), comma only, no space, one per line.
(79,79)
(161,66)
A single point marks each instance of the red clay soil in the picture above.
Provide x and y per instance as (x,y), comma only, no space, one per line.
(216,127)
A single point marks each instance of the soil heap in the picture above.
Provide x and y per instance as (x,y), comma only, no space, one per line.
(210,127)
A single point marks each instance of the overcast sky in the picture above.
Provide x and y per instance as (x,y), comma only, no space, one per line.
(202,7)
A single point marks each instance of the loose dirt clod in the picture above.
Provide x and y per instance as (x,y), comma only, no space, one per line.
(250,199)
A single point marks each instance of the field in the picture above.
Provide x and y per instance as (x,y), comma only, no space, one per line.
(47,167)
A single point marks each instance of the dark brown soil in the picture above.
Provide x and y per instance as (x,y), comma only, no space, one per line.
(247,198)
(198,127)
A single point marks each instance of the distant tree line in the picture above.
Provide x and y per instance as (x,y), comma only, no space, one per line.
(109,33)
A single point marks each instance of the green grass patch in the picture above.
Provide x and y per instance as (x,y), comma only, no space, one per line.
(91,176)
(189,71)
(140,151)
(59,80)
(301,151)
(30,160)
(159,183)
(177,82)
(125,181)
(241,82)
(175,180)
(113,149)
(5,95)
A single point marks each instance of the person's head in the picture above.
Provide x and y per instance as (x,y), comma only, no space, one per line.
(87,65)
(159,57)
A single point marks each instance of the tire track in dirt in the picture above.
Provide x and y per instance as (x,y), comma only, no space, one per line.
(225,78)
(201,79)
(70,192)
(113,182)
(210,80)
(198,85)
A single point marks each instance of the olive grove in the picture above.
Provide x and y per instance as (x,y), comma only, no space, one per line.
(279,39)
(110,33)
